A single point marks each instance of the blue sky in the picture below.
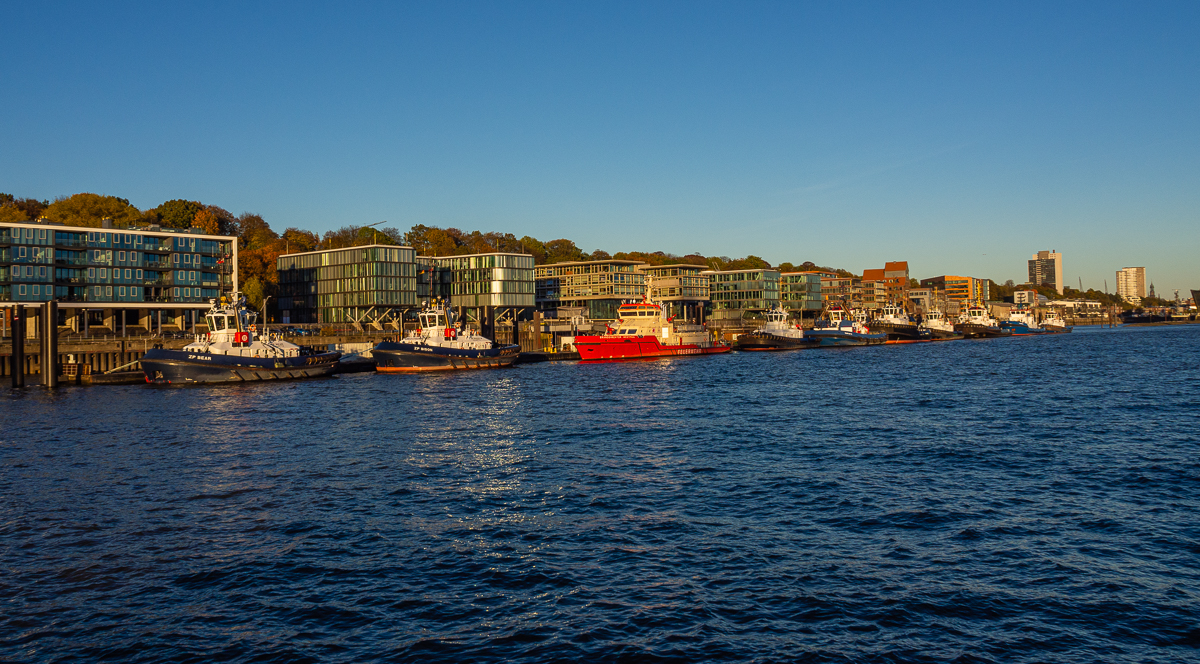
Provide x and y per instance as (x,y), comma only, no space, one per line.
(961,137)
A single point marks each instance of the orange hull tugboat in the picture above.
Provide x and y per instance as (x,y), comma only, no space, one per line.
(641,331)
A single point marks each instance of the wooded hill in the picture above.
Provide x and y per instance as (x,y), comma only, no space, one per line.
(259,245)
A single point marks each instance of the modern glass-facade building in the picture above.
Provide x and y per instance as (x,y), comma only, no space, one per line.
(490,280)
(368,285)
(596,287)
(753,290)
(681,289)
(115,276)
(800,291)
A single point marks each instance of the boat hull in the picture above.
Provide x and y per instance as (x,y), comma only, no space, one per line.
(976,331)
(944,335)
(595,348)
(839,338)
(1020,329)
(397,357)
(178,367)
(762,341)
(1058,329)
(900,333)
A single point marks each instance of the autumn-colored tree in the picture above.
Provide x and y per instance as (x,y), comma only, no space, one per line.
(90,210)
(13,209)
(206,220)
(177,213)
(11,214)
(297,241)
(254,231)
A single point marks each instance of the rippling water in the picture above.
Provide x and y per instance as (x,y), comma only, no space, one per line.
(1003,500)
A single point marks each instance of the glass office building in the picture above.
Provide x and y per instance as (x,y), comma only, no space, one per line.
(596,288)
(368,285)
(115,276)
(800,291)
(753,290)
(681,289)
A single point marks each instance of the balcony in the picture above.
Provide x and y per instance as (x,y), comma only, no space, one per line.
(71,261)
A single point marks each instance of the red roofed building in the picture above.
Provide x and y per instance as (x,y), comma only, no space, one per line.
(890,283)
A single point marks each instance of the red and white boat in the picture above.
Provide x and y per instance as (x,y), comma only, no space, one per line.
(641,331)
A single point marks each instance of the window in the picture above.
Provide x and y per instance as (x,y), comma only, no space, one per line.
(176,292)
(103,273)
(98,290)
(97,254)
(137,239)
(37,291)
(108,291)
(21,252)
(41,271)
(187,258)
(139,274)
(121,256)
(91,273)
(22,289)
(187,292)
(191,276)
(41,234)
(133,256)
(129,273)
(180,275)
(122,291)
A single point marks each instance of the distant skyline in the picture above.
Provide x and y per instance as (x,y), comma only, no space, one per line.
(960,137)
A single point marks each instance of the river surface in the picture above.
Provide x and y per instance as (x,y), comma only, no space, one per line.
(1006,500)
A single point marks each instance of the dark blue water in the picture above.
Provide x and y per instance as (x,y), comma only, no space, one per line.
(1005,500)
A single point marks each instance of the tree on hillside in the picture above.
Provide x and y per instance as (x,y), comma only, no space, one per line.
(177,213)
(12,214)
(562,251)
(90,210)
(13,209)
(207,221)
(254,232)
(296,241)
(535,248)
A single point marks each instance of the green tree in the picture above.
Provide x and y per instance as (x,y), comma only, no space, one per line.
(254,291)
(177,213)
(562,251)
(90,210)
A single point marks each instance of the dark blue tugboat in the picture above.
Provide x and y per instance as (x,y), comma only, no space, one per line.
(1021,323)
(234,352)
(441,345)
(838,328)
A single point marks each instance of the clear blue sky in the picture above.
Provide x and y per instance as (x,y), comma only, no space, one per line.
(960,136)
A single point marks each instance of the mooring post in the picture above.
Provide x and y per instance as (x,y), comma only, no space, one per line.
(18,346)
(50,344)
